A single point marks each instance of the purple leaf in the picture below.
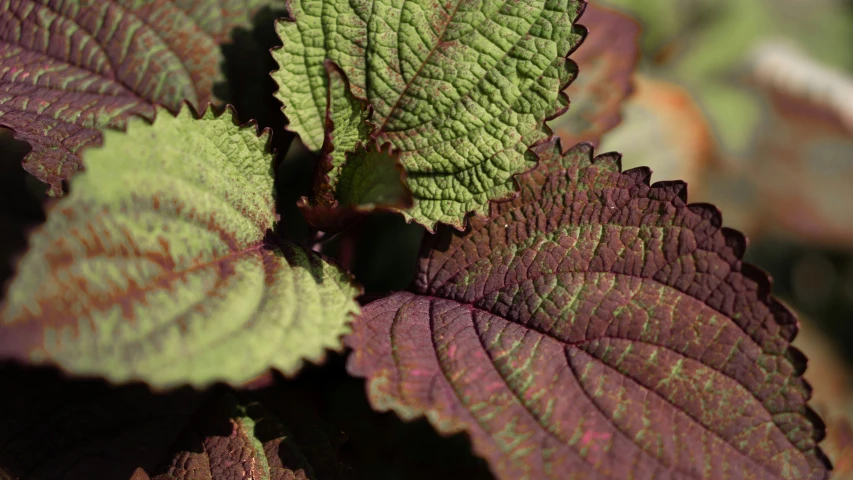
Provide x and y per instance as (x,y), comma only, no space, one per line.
(596,327)
(70,68)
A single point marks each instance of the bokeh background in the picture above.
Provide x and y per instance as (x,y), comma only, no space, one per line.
(748,101)
(751,103)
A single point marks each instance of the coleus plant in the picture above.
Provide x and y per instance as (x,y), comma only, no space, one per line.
(576,321)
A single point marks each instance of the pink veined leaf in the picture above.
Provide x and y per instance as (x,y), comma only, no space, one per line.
(606,61)
(71,67)
(596,326)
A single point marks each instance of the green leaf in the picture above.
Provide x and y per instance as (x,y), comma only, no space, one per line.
(461,89)
(160,265)
(355,175)
(371,179)
(347,124)
(74,67)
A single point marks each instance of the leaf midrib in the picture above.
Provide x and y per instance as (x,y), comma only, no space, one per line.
(409,83)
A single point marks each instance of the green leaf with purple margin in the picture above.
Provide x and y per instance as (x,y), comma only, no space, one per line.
(596,327)
(69,68)
(460,89)
(160,265)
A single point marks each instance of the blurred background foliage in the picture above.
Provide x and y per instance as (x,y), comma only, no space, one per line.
(748,101)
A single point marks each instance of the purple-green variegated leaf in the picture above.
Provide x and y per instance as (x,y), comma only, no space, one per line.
(162,265)
(69,68)
(596,326)
(233,439)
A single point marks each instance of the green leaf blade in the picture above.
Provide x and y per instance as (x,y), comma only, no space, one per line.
(157,266)
(347,128)
(461,90)
(316,31)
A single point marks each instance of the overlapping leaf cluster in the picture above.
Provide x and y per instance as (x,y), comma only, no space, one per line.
(69,69)
(160,265)
(460,90)
(592,325)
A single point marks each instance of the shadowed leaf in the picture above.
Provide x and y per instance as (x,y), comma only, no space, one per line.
(460,89)
(63,430)
(231,439)
(370,179)
(347,127)
(160,265)
(355,176)
(606,62)
(70,68)
(596,327)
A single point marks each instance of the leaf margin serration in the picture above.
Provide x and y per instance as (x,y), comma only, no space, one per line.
(272,249)
(364,363)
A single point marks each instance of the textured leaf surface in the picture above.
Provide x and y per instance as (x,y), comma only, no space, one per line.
(71,67)
(461,89)
(232,440)
(370,180)
(597,327)
(355,175)
(347,125)
(157,265)
(606,62)
(59,430)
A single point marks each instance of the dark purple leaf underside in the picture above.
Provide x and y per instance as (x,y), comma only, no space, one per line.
(597,327)
(606,60)
(69,68)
